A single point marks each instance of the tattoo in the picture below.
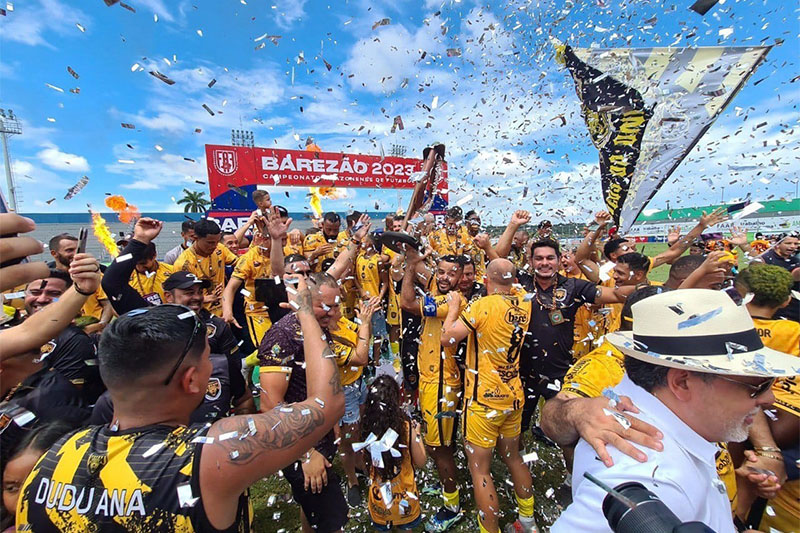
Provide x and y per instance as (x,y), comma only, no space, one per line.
(275,430)
(304,301)
(335,382)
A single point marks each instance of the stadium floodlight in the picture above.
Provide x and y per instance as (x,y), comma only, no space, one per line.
(9,125)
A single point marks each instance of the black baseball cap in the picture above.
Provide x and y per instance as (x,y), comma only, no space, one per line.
(184,280)
(545,224)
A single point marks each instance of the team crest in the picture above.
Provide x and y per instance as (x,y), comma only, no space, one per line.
(213,389)
(226,162)
(211,329)
(46,350)
(560,294)
(95,462)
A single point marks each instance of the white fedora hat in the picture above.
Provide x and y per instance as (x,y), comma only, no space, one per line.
(700,330)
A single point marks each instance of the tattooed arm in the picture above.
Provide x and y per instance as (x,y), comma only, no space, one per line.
(267,442)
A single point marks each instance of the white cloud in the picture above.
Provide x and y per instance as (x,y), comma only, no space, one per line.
(158,7)
(144,185)
(287,12)
(36,23)
(53,157)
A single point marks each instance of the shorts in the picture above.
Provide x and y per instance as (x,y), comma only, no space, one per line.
(399,527)
(257,326)
(355,395)
(439,404)
(326,511)
(483,425)
(379,324)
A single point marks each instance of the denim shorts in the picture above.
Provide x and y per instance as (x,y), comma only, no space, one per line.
(355,395)
(379,324)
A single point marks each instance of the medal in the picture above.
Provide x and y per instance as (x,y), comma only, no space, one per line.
(556,317)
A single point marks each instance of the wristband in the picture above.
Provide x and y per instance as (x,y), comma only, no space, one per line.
(777,457)
(74,286)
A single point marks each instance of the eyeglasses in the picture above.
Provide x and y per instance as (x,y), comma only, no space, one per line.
(757,390)
(198,326)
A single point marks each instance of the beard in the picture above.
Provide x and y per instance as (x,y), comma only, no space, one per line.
(63,259)
(738,430)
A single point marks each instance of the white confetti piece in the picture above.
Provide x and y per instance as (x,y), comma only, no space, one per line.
(154,449)
(186,314)
(530,457)
(228,435)
(186,497)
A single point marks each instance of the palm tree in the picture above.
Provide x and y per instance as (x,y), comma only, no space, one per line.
(195,201)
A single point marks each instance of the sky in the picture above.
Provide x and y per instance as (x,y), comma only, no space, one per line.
(478,76)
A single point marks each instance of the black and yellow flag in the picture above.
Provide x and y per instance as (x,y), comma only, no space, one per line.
(646,108)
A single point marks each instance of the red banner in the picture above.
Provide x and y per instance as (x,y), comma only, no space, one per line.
(240,166)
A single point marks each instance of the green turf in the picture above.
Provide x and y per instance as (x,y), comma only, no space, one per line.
(548,473)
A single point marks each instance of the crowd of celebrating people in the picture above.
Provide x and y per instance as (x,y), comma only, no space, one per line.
(150,394)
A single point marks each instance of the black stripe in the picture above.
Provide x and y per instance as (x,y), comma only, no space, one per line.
(477,372)
(698,345)
(440,419)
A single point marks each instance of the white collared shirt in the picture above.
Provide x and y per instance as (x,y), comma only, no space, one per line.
(683,475)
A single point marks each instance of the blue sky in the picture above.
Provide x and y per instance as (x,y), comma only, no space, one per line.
(497,102)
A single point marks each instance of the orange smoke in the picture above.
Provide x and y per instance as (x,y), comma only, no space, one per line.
(318,193)
(122,208)
(103,234)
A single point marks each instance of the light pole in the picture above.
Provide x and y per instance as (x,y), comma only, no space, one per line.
(9,125)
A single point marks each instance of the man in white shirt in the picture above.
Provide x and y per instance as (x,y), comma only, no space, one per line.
(697,370)
(187,232)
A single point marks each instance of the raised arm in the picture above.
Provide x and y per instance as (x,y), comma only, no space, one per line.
(40,327)
(239,233)
(122,296)
(682,244)
(589,242)
(518,219)
(277,229)
(409,301)
(266,442)
(346,259)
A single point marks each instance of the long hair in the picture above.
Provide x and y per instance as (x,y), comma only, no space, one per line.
(383,412)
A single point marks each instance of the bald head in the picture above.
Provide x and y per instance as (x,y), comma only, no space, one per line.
(501,273)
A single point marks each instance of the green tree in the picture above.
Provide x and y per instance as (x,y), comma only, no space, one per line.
(195,201)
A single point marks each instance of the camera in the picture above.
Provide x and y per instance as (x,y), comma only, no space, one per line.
(648,515)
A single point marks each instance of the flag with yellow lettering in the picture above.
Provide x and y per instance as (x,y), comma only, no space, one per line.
(646,108)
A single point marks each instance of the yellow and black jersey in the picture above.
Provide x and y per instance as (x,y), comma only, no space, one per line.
(344,335)
(211,268)
(141,480)
(368,274)
(446,244)
(601,368)
(315,240)
(93,307)
(250,267)
(436,363)
(149,285)
(393,311)
(396,501)
(497,325)
(784,336)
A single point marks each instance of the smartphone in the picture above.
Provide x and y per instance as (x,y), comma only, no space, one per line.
(82,235)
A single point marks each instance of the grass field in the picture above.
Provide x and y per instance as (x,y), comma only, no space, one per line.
(548,473)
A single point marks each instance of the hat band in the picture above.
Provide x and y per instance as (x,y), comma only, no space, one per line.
(699,345)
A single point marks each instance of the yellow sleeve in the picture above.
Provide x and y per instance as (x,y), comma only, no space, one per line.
(100,294)
(228,256)
(242,269)
(592,374)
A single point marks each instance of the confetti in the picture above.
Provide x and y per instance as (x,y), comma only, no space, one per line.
(160,76)
(75,189)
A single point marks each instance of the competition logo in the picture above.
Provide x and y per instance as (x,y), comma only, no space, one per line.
(213,390)
(226,162)
(560,294)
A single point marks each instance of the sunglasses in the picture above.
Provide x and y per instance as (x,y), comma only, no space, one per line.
(198,326)
(757,390)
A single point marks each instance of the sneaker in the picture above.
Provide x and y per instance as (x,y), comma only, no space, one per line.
(431,490)
(539,435)
(354,496)
(518,527)
(443,520)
